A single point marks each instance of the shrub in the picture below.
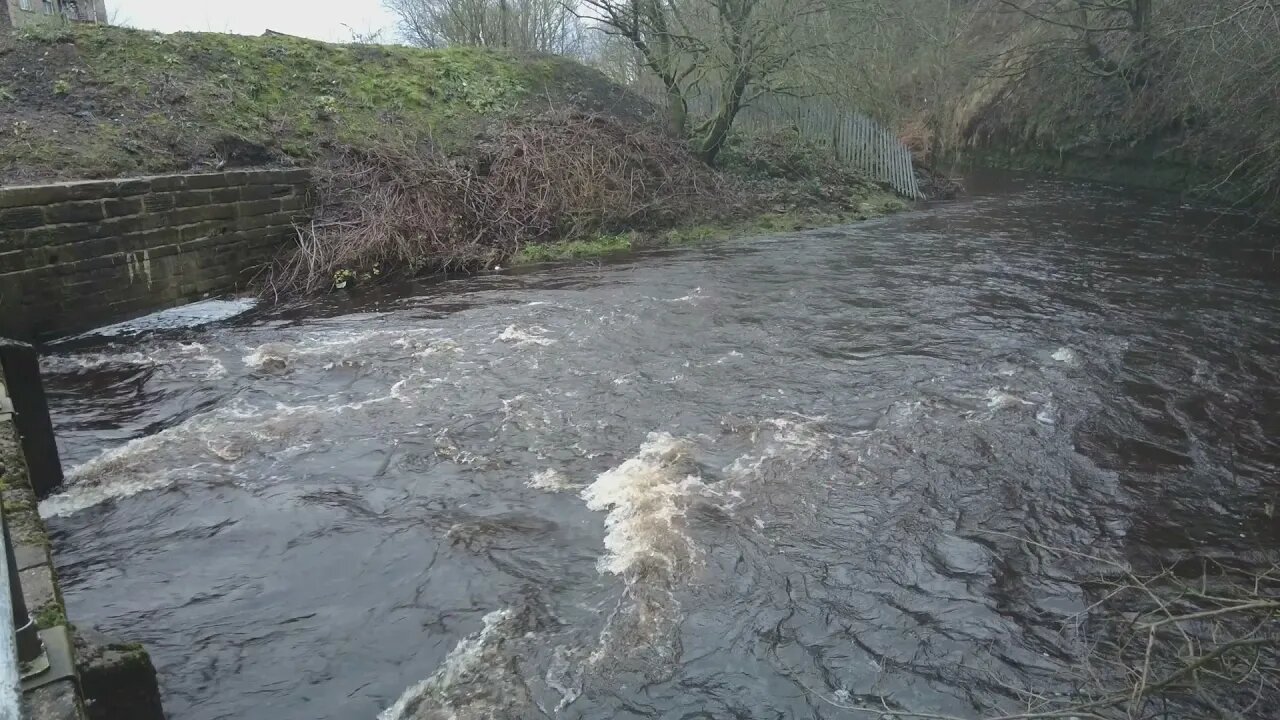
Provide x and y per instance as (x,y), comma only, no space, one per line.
(402,209)
(48,30)
(782,155)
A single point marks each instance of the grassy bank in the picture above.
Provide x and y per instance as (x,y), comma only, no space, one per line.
(862,207)
(91,101)
(426,160)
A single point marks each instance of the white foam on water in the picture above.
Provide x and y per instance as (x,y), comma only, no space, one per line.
(551,480)
(185,316)
(346,347)
(691,297)
(1001,400)
(437,347)
(1067,356)
(117,472)
(167,359)
(645,498)
(463,664)
(800,436)
(565,676)
(209,442)
(270,356)
(521,337)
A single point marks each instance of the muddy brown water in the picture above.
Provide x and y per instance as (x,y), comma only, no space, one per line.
(764,479)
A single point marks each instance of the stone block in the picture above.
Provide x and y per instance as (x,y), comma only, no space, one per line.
(162,251)
(118,679)
(259,207)
(29,195)
(121,207)
(280,219)
(225,195)
(207,181)
(192,198)
(265,177)
(115,227)
(74,212)
(30,555)
(160,202)
(84,250)
(133,186)
(21,218)
(146,239)
(188,233)
(203,213)
(13,261)
(55,701)
(265,192)
(37,587)
(87,285)
(164,183)
(295,203)
(50,236)
(210,245)
(91,264)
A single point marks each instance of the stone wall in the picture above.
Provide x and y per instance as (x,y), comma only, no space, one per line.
(74,256)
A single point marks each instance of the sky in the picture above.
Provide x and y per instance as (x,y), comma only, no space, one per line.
(319,19)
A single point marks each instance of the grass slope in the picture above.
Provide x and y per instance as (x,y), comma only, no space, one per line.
(97,101)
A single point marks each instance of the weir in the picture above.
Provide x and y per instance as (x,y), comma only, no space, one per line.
(787,473)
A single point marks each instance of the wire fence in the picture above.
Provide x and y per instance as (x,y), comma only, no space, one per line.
(855,139)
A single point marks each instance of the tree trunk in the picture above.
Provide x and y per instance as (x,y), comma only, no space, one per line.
(502,20)
(713,142)
(677,112)
(1142,16)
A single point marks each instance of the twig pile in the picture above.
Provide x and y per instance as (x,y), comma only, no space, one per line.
(403,210)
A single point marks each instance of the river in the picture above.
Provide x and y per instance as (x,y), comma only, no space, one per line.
(767,478)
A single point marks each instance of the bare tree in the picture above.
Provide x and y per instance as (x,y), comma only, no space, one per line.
(727,53)
(548,26)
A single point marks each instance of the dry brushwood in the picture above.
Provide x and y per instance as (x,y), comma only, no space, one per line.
(1195,640)
(400,210)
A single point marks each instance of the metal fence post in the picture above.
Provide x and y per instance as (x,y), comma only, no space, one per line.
(21,366)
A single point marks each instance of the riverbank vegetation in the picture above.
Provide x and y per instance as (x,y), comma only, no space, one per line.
(450,158)
(561,185)
(1195,639)
(1178,94)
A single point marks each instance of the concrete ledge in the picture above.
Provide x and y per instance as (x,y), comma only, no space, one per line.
(88,677)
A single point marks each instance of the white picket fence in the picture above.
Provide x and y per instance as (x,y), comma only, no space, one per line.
(857,140)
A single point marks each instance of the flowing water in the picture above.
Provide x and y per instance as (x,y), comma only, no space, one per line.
(765,479)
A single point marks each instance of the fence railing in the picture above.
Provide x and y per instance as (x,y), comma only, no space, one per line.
(855,140)
(21,649)
(27,661)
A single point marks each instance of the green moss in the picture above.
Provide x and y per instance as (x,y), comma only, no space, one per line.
(47,31)
(573,249)
(872,204)
(51,616)
(167,99)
